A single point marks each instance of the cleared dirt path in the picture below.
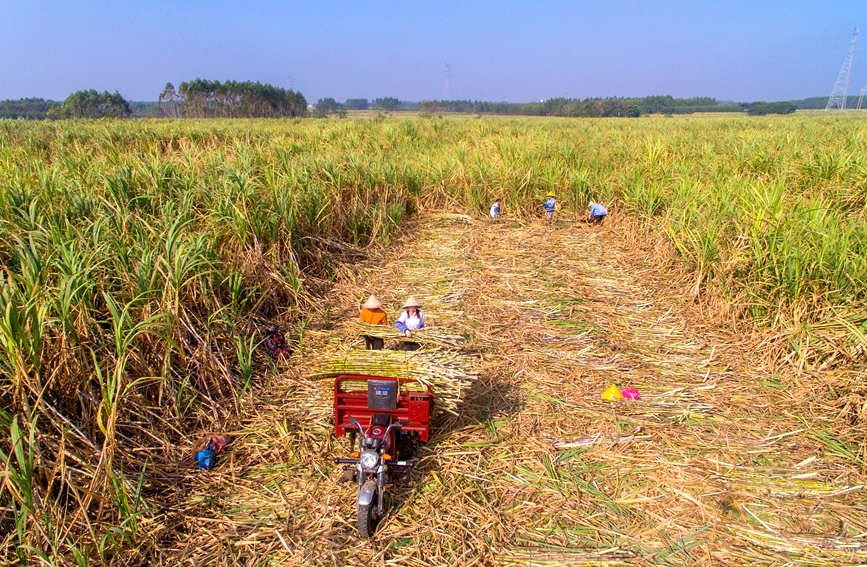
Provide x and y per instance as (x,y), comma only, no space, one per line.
(718,463)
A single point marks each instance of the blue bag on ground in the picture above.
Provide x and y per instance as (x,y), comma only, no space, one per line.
(205,458)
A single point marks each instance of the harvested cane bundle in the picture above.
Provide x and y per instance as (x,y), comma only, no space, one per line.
(447,373)
(426,337)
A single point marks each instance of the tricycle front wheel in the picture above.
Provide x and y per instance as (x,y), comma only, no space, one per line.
(366,522)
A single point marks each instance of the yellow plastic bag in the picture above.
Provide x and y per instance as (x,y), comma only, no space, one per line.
(612,393)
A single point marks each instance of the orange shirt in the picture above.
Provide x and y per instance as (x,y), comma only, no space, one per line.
(374,316)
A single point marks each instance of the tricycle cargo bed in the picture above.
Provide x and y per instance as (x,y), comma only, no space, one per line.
(361,396)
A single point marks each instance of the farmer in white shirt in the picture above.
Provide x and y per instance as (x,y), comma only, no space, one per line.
(495,211)
(412,319)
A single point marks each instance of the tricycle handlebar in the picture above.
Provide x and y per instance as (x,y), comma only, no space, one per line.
(394,425)
(356,423)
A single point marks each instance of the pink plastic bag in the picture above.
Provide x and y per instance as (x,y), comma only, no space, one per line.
(630,393)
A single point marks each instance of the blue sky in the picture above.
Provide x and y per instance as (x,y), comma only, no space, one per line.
(494,50)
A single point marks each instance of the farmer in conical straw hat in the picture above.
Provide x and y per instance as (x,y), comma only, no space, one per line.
(372,313)
(412,319)
(549,205)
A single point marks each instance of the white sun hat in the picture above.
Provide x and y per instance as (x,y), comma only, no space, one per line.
(372,302)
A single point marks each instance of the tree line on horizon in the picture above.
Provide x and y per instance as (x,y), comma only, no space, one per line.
(589,107)
(569,107)
(232,99)
(92,104)
(202,98)
(329,105)
(199,98)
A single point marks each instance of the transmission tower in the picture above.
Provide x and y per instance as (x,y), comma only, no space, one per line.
(447,83)
(841,86)
(861,96)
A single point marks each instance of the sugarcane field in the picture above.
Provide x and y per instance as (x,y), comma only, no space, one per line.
(413,340)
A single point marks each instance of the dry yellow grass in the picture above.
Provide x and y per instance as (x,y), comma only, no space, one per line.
(722,462)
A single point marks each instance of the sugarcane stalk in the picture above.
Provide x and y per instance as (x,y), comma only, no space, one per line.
(427,337)
(448,374)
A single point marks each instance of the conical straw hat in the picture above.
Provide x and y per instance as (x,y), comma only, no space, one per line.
(372,302)
(411,302)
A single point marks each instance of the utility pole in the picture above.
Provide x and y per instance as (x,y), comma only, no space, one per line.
(861,96)
(841,86)
(447,86)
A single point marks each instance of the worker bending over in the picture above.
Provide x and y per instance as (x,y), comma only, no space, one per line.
(596,213)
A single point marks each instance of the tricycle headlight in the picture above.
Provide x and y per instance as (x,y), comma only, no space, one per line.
(369,459)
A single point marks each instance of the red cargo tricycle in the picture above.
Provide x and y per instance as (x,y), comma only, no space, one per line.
(388,417)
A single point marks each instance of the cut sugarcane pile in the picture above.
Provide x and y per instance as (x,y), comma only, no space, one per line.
(447,373)
(426,337)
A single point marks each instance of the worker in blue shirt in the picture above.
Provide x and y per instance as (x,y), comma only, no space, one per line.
(549,205)
(596,213)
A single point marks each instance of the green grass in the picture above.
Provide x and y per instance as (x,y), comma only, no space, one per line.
(138,257)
